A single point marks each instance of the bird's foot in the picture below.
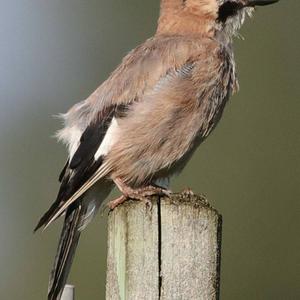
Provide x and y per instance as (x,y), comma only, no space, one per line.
(139,194)
(151,190)
(129,196)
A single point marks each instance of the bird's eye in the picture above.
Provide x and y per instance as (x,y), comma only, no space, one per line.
(228,9)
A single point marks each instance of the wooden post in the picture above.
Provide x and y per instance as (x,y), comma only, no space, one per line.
(169,252)
(68,292)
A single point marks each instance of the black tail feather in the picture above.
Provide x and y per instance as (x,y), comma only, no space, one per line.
(65,253)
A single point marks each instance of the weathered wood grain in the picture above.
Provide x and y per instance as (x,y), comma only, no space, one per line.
(169,252)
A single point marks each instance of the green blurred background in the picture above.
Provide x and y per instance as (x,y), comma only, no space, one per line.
(55,53)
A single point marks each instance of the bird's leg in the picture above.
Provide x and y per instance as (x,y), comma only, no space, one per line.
(139,194)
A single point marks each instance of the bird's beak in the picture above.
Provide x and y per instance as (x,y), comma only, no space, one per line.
(253,3)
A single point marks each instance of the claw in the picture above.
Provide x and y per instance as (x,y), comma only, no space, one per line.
(166,193)
(188,192)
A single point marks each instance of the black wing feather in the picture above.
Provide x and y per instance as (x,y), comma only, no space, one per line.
(82,166)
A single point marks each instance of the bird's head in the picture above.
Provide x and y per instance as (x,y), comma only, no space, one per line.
(207,17)
(231,14)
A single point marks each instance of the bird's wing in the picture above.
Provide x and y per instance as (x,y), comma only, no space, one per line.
(90,125)
(162,127)
(81,166)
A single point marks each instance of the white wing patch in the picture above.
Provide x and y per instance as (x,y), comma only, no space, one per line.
(109,139)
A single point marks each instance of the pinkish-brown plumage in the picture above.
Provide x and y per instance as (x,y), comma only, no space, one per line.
(177,111)
(144,122)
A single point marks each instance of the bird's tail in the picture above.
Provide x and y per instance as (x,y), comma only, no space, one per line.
(65,253)
(78,216)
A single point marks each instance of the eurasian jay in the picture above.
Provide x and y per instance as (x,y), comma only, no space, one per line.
(142,125)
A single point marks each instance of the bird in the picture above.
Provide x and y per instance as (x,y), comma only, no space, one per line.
(141,126)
